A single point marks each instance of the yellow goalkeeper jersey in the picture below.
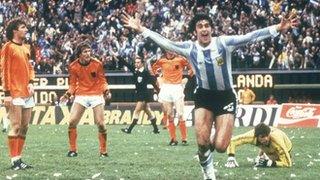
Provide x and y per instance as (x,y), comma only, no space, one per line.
(278,149)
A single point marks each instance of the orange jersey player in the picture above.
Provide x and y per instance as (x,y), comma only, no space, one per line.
(171,92)
(17,77)
(90,88)
(172,67)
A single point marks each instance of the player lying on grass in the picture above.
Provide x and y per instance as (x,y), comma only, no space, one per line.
(274,144)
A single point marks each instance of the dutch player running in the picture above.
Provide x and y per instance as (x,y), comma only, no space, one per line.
(90,88)
(274,144)
(17,79)
(141,78)
(171,93)
(215,100)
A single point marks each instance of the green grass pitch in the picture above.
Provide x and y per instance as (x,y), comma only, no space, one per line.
(143,155)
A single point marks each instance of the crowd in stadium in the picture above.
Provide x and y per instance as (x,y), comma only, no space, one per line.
(56,27)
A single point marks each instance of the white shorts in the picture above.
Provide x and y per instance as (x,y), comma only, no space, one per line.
(24,102)
(89,101)
(171,93)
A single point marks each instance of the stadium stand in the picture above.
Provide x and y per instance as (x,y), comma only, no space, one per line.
(57,26)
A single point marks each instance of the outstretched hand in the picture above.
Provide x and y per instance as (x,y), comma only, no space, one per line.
(289,22)
(132,22)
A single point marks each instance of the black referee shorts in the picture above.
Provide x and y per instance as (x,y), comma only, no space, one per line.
(219,102)
(144,96)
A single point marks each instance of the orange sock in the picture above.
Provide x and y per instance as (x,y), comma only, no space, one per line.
(13,146)
(21,140)
(72,139)
(164,119)
(183,130)
(103,142)
(172,129)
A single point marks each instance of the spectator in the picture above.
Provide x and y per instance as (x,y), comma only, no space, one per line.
(271,100)
(247,96)
(55,26)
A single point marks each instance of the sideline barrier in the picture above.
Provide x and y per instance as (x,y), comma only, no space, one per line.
(115,113)
(300,115)
(285,115)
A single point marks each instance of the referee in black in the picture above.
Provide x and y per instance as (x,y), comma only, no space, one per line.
(141,78)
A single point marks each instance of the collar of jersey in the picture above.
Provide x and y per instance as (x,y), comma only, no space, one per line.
(207,47)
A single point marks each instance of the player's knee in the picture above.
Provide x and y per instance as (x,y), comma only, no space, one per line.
(23,130)
(180,117)
(15,128)
(170,117)
(221,146)
(101,127)
(202,140)
(72,124)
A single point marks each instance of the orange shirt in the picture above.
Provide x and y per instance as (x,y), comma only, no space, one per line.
(87,79)
(172,69)
(17,72)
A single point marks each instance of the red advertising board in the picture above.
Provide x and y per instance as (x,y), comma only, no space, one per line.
(300,115)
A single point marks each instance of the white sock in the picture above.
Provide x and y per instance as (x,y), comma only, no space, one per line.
(15,159)
(5,122)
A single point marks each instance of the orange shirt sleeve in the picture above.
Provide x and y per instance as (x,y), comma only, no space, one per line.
(186,63)
(5,65)
(156,66)
(102,78)
(72,78)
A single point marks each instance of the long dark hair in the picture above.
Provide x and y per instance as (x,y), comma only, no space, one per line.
(261,130)
(80,47)
(13,25)
(198,17)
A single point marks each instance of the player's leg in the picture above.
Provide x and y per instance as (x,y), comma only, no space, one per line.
(224,120)
(98,112)
(179,104)
(136,113)
(77,111)
(168,106)
(164,120)
(15,116)
(161,97)
(203,124)
(151,117)
(223,131)
(5,121)
(25,119)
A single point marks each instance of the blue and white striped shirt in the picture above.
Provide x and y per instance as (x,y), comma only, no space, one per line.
(212,64)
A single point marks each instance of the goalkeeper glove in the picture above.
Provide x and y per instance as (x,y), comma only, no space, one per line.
(265,163)
(231,162)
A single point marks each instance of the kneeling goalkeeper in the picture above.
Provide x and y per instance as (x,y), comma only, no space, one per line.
(274,144)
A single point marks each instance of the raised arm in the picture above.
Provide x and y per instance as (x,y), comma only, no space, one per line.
(182,48)
(125,63)
(232,42)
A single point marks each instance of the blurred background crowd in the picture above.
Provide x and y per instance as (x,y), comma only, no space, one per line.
(56,27)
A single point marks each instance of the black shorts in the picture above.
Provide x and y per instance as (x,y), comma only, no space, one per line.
(143,96)
(219,102)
